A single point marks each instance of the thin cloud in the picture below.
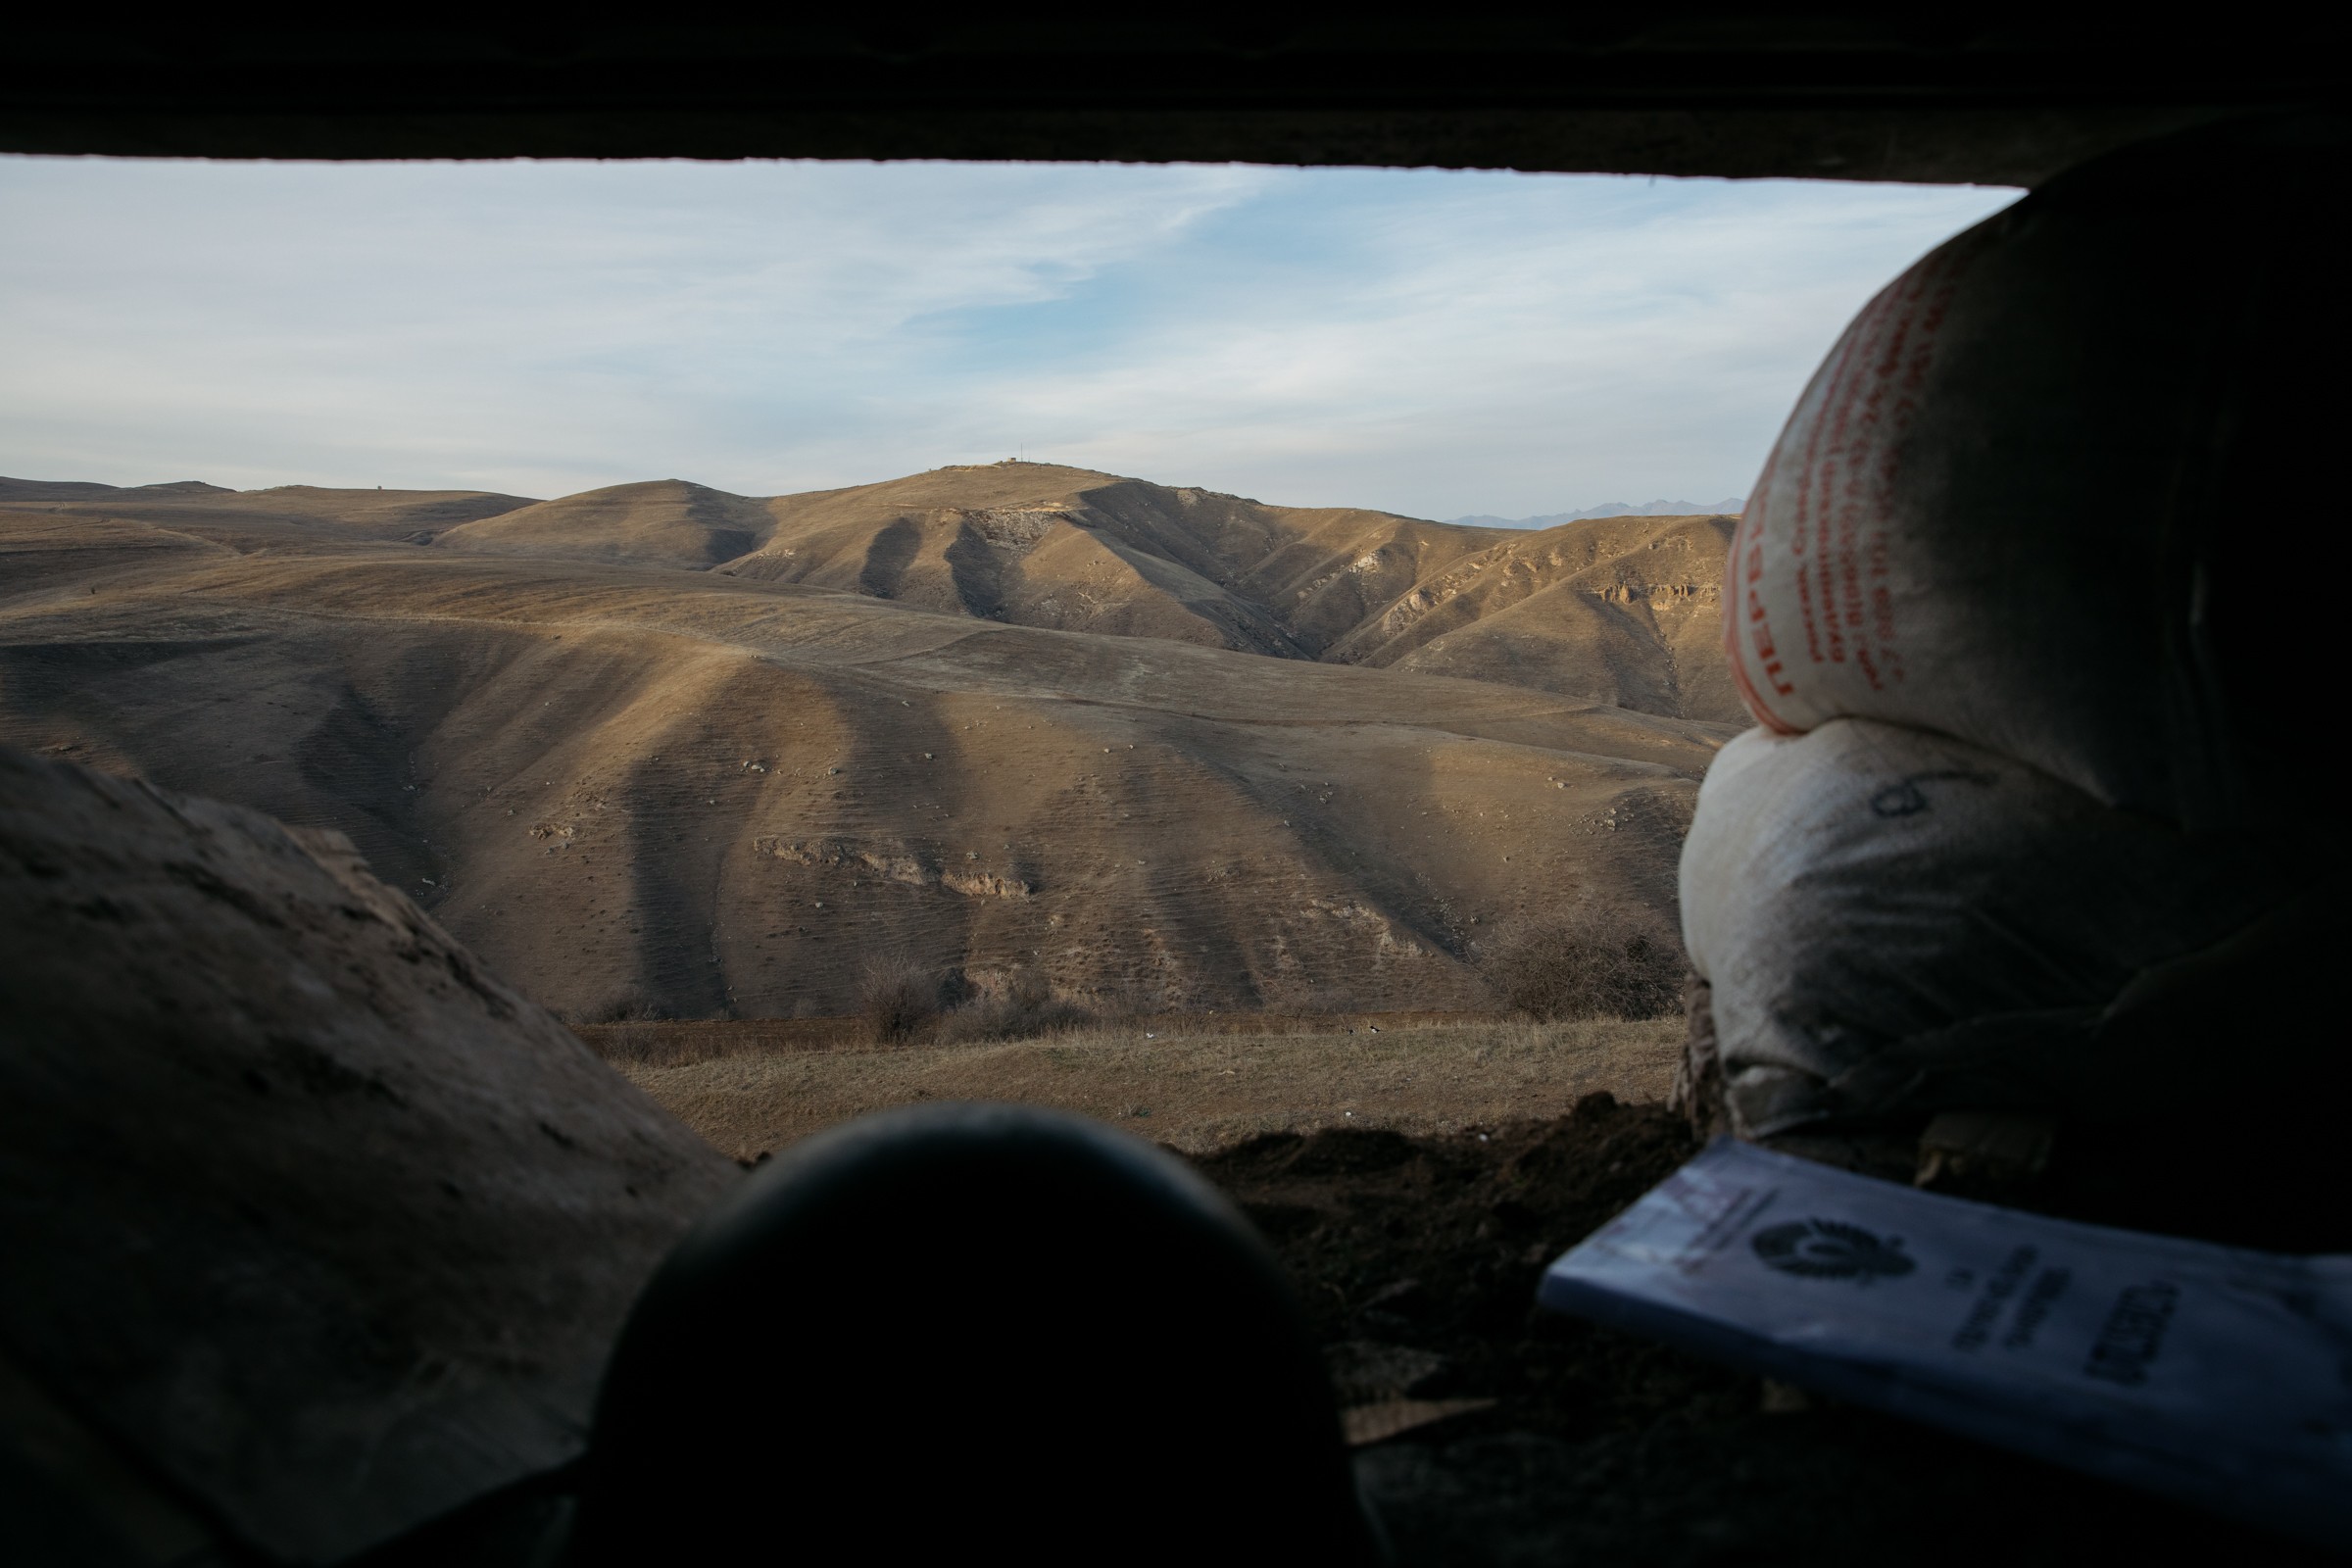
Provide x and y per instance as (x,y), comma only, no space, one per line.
(1436,343)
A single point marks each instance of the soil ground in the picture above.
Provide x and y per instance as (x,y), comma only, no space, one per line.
(1416,1230)
(1422,1255)
(1195,1085)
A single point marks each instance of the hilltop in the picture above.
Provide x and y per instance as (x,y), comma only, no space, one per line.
(1624,611)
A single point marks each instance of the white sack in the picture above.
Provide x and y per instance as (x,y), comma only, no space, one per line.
(1897,921)
(2031,497)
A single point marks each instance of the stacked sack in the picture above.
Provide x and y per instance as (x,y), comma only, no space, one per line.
(2032,822)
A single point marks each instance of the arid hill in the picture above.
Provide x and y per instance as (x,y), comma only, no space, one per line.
(633,786)
(15,490)
(256,519)
(662,522)
(1621,609)
(1630,608)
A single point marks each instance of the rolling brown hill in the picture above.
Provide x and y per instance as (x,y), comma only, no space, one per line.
(1620,609)
(1627,607)
(664,523)
(630,785)
(256,519)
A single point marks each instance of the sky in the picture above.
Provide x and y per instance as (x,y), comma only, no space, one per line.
(1430,342)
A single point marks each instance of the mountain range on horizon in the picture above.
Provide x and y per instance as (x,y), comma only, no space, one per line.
(33,489)
(1728,506)
(661,748)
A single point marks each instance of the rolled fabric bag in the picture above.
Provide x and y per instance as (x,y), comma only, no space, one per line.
(967,1331)
(2034,497)
(1894,922)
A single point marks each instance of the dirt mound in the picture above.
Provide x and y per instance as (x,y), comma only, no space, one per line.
(314,1217)
(1436,1243)
(1417,1260)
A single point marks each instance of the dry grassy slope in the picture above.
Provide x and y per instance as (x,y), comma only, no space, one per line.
(664,523)
(706,794)
(1010,542)
(257,520)
(1199,1092)
(13,491)
(1621,609)
(1036,544)
(1629,608)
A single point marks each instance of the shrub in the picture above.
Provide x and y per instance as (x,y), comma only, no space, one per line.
(1021,1007)
(626,1005)
(1595,961)
(898,998)
(1028,988)
(644,1043)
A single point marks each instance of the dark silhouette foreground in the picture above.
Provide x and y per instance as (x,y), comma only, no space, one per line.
(964,1326)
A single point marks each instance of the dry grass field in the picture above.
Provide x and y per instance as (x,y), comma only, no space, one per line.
(1198,1088)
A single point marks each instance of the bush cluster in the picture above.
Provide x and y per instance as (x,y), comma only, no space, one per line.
(1023,1009)
(644,1043)
(902,1001)
(898,998)
(1597,959)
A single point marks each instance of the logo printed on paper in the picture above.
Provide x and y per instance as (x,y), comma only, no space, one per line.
(2134,1334)
(1832,1250)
